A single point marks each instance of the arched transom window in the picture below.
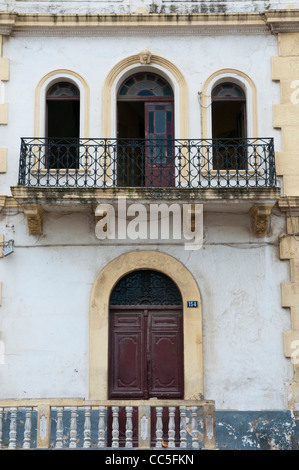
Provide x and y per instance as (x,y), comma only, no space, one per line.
(145,85)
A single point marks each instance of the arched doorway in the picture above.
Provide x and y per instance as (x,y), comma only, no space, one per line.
(145,131)
(101,291)
(145,343)
(146,337)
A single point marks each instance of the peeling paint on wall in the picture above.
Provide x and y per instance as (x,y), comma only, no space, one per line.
(235,430)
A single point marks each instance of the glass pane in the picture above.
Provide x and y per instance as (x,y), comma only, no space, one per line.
(151,122)
(167,91)
(146,93)
(160,151)
(160,122)
(123,91)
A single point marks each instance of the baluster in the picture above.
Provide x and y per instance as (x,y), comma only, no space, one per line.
(171,427)
(129,426)
(27,429)
(1,418)
(87,428)
(73,430)
(194,430)
(101,427)
(13,429)
(59,428)
(183,427)
(115,426)
(159,427)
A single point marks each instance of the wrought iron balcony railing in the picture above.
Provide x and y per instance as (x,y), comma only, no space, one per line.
(104,163)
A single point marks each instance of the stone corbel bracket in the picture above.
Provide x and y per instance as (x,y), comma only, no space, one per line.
(34,214)
(260,214)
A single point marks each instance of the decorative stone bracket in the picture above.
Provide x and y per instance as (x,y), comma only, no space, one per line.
(260,214)
(34,214)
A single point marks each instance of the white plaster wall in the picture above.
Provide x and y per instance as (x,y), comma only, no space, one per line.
(31,58)
(48,280)
(47,283)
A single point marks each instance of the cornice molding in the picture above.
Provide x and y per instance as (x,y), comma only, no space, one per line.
(150,24)
(137,31)
(285,21)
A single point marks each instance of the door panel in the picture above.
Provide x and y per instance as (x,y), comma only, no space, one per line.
(164,380)
(159,131)
(166,352)
(126,361)
(127,367)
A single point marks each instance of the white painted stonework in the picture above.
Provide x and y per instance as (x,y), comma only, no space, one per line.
(47,281)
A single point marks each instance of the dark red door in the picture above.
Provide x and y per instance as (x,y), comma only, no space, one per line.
(146,353)
(159,154)
(146,357)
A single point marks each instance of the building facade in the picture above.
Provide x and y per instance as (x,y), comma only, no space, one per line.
(149,191)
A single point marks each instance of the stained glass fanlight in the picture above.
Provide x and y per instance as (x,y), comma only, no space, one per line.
(228,91)
(145,85)
(63,90)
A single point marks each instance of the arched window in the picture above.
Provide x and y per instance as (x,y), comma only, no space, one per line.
(146,117)
(63,125)
(229,126)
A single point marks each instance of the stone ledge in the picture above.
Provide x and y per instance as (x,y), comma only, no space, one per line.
(60,196)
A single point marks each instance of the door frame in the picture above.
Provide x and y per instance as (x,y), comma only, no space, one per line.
(99,319)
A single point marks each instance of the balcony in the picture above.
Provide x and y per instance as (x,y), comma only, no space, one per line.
(142,163)
(78,174)
(75,424)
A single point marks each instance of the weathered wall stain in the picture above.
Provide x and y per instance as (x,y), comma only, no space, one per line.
(235,430)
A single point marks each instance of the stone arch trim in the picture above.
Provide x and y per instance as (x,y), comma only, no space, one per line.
(134,60)
(240,78)
(40,96)
(99,316)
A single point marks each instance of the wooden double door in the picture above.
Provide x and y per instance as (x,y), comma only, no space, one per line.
(146,355)
(146,352)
